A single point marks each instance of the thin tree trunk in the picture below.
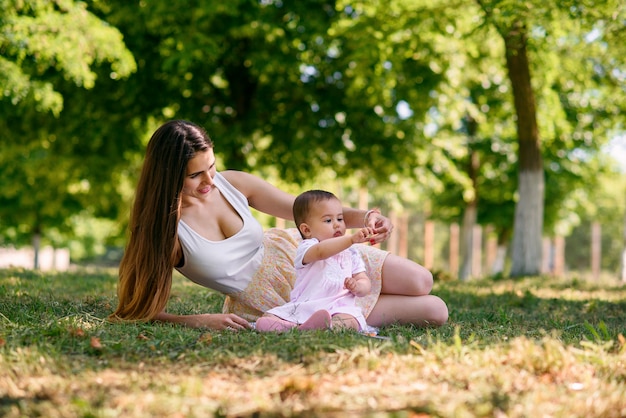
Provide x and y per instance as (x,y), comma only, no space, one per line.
(624,252)
(469,220)
(454,250)
(559,256)
(429,244)
(491,249)
(498,264)
(36,248)
(528,226)
(546,259)
(500,261)
(596,250)
(477,253)
(471,210)
(391,244)
(403,235)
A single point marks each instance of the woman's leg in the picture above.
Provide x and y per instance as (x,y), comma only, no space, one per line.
(426,310)
(405,298)
(401,276)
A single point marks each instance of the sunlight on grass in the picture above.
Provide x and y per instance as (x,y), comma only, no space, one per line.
(531,347)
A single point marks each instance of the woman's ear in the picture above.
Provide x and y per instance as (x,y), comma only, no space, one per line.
(305,230)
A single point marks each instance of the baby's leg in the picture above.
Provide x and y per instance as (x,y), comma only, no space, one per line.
(269,323)
(319,320)
(345,321)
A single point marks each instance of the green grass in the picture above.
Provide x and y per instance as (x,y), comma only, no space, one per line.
(535,347)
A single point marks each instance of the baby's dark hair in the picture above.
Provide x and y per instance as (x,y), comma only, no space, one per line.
(303,203)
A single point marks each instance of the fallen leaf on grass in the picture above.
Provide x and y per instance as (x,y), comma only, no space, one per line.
(142,337)
(95,343)
(417,346)
(205,338)
(77,332)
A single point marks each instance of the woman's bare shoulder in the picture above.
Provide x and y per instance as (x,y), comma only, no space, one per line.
(236,177)
(241,180)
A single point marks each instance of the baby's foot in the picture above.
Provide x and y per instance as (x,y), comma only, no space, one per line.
(267,324)
(319,320)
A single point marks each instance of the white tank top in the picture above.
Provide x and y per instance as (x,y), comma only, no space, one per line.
(228,265)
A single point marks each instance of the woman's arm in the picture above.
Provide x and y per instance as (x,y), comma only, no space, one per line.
(262,195)
(210,321)
(354,217)
(381,225)
(271,200)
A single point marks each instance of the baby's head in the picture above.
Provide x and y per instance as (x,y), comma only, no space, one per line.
(318,214)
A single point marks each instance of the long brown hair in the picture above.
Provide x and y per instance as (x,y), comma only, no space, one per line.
(145,272)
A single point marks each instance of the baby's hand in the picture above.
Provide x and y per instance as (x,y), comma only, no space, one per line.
(362,235)
(350,284)
(356,287)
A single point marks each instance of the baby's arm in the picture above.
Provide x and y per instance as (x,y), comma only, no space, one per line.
(332,246)
(359,284)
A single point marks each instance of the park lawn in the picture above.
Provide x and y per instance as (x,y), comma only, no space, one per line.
(534,347)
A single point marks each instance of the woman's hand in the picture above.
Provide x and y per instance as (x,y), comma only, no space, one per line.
(216,322)
(381,225)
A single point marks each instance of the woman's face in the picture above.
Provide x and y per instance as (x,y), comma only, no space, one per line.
(199,177)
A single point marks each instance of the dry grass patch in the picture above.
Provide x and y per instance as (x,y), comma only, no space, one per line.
(521,378)
(533,347)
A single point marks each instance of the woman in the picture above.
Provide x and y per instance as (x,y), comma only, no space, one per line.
(188,216)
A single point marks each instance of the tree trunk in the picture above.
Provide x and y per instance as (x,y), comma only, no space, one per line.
(528,226)
(500,261)
(624,253)
(453,262)
(477,251)
(36,247)
(467,229)
(471,210)
(559,256)
(429,244)
(596,250)
(498,264)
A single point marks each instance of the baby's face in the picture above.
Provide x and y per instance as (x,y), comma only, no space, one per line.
(326,220)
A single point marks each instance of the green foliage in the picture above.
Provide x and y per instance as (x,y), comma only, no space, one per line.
(393,97)
(54,163)
(40,37)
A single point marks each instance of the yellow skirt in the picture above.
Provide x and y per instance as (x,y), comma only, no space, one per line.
(272,283)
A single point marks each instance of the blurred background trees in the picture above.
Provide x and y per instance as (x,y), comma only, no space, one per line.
(414,101)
